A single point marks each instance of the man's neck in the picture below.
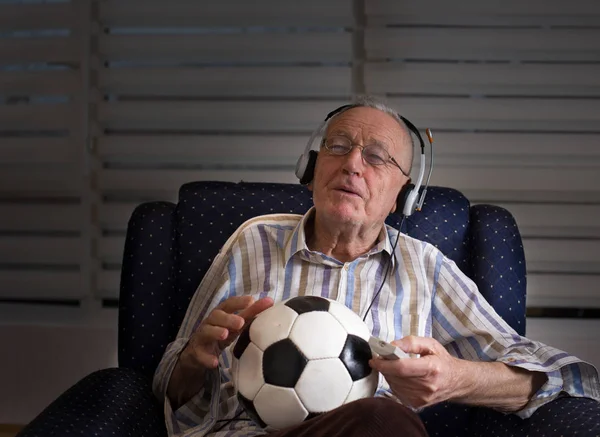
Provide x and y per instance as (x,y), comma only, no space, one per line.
(344,243)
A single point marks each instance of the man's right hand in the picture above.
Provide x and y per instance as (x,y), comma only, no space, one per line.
(217,331)
(222,326)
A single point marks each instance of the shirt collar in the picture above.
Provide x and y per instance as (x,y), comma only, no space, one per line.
(297,240)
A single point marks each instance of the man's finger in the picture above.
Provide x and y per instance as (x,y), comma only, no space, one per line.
(209,334)
(206,359)
(402,368)
(236,303)
(417,345)
(256,308)
(218,317)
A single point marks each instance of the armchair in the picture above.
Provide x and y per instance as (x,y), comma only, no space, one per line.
(169,248)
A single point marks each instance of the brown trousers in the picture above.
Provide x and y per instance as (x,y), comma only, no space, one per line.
(370,417)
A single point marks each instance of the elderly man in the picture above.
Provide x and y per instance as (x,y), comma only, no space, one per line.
(339,249)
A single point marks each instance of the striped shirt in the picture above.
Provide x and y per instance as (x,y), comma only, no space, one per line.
(424,294)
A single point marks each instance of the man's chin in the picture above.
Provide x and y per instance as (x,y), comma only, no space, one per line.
(344,214)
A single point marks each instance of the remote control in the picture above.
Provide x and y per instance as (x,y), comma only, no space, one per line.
(386,350)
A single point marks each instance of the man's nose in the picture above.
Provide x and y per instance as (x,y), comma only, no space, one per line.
(354,162)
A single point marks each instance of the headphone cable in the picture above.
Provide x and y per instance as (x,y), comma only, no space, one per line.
(387,268)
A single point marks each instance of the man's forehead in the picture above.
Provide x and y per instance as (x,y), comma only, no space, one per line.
(369,122)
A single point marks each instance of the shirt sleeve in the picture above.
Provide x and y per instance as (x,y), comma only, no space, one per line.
(469,327)
(215,284)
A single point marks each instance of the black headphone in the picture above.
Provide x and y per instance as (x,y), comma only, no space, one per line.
(408,200)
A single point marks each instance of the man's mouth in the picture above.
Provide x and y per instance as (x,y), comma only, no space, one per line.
(348,191)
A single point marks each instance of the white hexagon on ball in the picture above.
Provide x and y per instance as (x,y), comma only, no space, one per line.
(363,388)
(318,335)
(349,320)
(279,407)
(274,324)
(250,376)
(324,385)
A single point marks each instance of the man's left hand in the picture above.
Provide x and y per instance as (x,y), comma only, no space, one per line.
(419,382)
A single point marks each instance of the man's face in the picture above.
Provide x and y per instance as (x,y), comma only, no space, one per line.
(349,190)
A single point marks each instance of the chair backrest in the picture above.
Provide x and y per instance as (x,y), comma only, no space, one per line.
(170,247)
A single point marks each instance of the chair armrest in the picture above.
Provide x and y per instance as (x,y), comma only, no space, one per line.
(498,262)
(147,287)
(111,402)
(562,417)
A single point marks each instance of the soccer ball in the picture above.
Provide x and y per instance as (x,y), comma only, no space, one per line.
(299,358)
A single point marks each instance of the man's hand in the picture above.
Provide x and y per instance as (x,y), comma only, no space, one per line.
(217,331)
(222,327)
(437,376)
(419,382)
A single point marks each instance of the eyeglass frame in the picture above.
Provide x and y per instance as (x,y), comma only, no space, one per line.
(390,158)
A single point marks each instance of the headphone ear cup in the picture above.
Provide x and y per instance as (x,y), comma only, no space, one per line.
(309,172)
(403,197)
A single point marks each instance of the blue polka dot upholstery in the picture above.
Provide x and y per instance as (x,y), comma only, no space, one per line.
(169,248)
(106,403)
(147,287)
(498,262)
(566,417)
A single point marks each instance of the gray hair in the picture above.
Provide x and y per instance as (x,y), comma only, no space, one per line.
(367,101)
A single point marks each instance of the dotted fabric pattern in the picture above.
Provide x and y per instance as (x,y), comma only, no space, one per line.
(448,420)
(106,403)
(564,417)
(498,262)
(147,287)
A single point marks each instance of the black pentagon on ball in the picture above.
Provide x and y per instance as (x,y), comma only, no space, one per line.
(283,364)
(248,405)
(355,355)
(306,304)
(242,342)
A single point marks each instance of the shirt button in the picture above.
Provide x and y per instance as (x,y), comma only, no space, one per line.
(346,267)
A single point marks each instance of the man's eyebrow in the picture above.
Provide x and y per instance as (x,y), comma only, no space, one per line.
(371,142)
(340,133)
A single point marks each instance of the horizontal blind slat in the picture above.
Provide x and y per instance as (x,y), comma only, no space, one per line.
(484,44)
(40,250)
(508,7)
(15,150)
(37,16)
(568,256)
(46,285)
(59,116)
(202,148)
(26,50)
(216,115)
(40,217)
(567,291)
(228,81)
(167,182)
(543,179)
(44,82)
(43,181)
(506,114)
(557,220)
(235,48)
(477,13)
(483,79)
(275,13)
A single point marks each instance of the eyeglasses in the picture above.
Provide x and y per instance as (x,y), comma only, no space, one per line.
(373,154)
